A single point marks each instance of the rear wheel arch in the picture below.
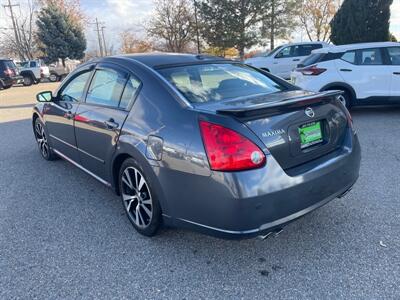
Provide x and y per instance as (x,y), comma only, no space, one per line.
(148,170)
(343,87)
(340,86)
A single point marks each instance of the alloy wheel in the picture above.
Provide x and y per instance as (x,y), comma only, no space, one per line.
(41,139)
(137,197)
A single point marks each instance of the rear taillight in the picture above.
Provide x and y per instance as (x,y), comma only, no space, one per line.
(228,150)
(312,71)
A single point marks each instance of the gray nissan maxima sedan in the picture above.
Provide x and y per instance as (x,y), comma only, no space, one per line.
(200,142)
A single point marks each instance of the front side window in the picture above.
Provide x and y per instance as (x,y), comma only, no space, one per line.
(370,57)
(75,88)
(285,53)
(106,88)
(217,82)
(394,54)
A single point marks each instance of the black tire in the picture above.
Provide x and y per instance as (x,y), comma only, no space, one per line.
(139,198)
(7,86)
(346,99)
(54,77)
(42,141)
(28,80)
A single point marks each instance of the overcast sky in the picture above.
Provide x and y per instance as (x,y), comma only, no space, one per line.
(133,14)
(118,15)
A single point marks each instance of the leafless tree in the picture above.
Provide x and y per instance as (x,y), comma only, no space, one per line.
(130,43)
(173,22)
(25,47)
(315,16)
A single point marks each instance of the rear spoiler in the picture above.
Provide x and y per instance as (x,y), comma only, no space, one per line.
(271,108)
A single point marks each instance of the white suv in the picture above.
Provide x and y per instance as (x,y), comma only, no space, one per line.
(367,73)
(283,59)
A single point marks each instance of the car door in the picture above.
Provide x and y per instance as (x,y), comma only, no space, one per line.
(59,114)
(282,62)
(98,121)
(366,72)
(394,67)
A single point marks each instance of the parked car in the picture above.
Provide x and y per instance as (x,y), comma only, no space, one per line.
(58,71)
(200,142)
(283,59)
(367,73)
(33,71)
(9,74)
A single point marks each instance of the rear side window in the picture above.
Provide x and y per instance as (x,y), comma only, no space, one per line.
(33,64)
(74,89)
(131,88)
(394,55)
(370,56)
(305,50)
(106,88)
(350,57)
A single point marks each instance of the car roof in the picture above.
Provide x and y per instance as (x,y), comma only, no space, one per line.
(160,59)
(344,48)
(305,43)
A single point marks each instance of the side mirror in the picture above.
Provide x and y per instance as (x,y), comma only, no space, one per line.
(46,96)
(279,55)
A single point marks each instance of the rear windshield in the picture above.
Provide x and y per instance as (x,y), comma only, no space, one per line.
(216,82)
(8,64)
(312,59)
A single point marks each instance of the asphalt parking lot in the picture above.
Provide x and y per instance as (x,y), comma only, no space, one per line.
(65,235)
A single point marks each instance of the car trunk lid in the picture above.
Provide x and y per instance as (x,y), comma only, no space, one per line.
(295,126)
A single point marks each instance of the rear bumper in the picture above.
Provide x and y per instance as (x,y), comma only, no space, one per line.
(251,203)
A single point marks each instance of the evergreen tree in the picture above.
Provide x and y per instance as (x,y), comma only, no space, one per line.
(232,23)
(59,36)
(279,19)
(360,21)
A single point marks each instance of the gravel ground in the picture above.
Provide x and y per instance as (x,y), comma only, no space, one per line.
(64,235)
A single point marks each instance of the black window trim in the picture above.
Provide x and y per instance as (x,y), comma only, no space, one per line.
(119,69)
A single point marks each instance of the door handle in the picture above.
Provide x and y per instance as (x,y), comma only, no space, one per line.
(111,124)
(396,73)
(346,70)
(296,59)
(69,115)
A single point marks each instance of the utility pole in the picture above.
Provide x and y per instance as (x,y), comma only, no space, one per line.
(99,37)
(197,27)
(104,40)
(15,27)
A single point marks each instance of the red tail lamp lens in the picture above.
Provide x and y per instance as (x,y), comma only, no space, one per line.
(228,150)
